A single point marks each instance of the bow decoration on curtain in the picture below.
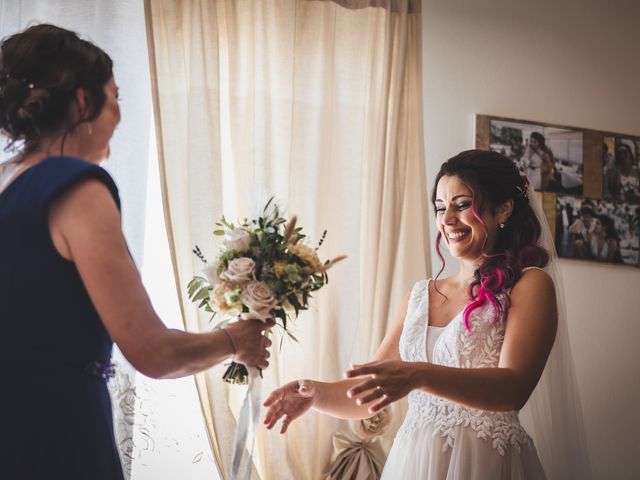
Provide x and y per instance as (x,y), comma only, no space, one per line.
(359,455)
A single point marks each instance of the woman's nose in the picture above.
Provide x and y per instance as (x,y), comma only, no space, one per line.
(448,217)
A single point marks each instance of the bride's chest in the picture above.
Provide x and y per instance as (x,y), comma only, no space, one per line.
(478,346)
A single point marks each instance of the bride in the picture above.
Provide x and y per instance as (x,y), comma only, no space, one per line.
(468,350)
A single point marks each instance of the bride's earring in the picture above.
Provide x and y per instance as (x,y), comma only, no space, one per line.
(89,129)
(502,224)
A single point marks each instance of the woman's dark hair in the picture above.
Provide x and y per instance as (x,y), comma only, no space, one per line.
(493,180)
(608,227)
(587,210)
(621,150)
(540,139)
(41,69)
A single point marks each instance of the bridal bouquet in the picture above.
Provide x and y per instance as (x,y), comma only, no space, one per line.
(263,270)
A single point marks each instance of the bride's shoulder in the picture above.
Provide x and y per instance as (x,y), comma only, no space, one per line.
(419,289)
(533,282)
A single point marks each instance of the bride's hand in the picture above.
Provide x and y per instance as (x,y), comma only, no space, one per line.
(289,401)
(383,382)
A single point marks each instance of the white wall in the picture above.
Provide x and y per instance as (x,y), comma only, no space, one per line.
(569,63)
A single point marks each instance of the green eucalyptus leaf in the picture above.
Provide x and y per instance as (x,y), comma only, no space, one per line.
(201,295)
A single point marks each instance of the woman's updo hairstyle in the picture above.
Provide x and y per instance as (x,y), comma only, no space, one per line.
(494,179)
(41,69)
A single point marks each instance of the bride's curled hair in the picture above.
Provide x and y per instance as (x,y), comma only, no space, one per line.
(494,179)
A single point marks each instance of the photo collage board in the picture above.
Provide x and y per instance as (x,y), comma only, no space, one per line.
(588,182)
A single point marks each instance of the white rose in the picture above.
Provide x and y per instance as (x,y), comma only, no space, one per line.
(259,299)
(237,239)
(240,270)
(210,272)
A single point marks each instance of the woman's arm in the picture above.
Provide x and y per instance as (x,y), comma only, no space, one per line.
(85,228)
(293,399)
(576,227)
(530,331)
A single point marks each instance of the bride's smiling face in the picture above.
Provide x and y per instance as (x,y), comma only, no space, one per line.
(464,232)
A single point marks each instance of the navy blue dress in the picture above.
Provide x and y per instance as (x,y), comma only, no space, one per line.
(55,410)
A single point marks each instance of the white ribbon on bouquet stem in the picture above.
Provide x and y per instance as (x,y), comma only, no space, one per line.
(246,427)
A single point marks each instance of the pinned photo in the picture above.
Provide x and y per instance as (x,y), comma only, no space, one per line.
(620,169)
(551,157)
(597,230)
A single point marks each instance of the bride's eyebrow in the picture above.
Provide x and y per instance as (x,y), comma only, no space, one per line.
(455,197)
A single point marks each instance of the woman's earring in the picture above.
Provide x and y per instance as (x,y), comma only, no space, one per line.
(502,224)
(89,129)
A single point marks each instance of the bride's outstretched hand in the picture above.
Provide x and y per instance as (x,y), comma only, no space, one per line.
(288,402)
(383,382)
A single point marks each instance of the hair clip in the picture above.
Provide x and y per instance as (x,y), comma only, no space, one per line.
(524,190)
(27,83)
(7,76)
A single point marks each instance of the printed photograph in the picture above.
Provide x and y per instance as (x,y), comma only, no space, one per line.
(620,169)
(551,157)
(598,230)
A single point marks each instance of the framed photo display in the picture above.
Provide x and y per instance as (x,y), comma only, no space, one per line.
(588,182)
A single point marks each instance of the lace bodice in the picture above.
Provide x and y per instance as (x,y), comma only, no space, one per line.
(457,347)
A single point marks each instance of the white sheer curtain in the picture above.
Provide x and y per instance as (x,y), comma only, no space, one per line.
(117,26)
(320,105)
(158,425)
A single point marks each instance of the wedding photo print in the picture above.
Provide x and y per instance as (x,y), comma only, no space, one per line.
(597,230)
(620,171)
(551,157)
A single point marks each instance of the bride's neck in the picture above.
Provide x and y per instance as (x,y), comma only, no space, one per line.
(462,279)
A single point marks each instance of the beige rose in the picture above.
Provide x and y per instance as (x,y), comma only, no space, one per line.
(375,425)
(259,299)
(222,298)
(240,270)
(237,239)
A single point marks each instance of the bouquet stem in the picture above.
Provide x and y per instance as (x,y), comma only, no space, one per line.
(236,374)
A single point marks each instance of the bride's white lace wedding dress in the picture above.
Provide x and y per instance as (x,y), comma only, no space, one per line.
(440,439)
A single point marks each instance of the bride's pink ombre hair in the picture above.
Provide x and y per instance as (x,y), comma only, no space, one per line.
(493,179)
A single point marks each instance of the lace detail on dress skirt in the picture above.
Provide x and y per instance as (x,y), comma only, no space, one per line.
(502,429)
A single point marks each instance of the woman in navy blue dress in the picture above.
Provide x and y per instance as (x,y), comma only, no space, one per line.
(68,286)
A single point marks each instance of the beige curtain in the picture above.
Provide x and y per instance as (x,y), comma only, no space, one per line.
(319,103)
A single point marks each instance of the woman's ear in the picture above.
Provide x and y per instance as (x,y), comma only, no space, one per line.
(504,210)
(82,103)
